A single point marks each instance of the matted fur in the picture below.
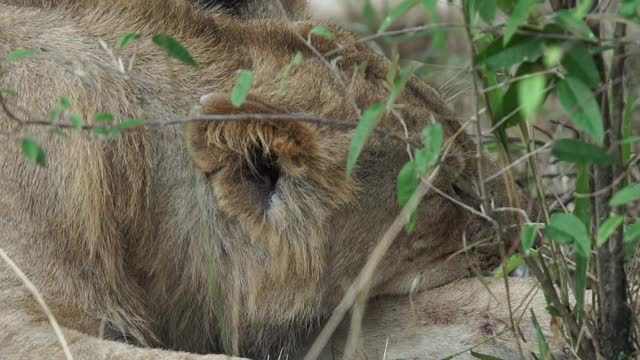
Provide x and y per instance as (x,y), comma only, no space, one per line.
(168,235)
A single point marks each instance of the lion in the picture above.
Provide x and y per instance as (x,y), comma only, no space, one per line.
(187,237)
(455,320)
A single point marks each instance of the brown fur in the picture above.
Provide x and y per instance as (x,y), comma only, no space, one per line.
(186,250)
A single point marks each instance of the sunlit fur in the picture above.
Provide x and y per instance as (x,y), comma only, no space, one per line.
(164,232)
(460,318)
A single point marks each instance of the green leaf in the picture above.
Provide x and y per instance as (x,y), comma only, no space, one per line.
(608,228)
(521,49)
(481,356)
(583,203)
(100,131)
(393,70)
(322,31)
(128,39)
(558,235)
(370,15)
(570,225)
(470,9)
(32,150)
(365,127)
(507,106)
(174,49)
(578,230)
(407,183)
(627,128)
(7,92)
(543,347)
(400,10)
(578,101)
(626,195)
(298,59)
(630,140)
(488,11)
(130,124)
(425,158)
(574,25)
(65,102)
(632,233)
(553,55)
(241,89)
(578,152)
(528,237)
(531,95)
(55,114)
(583,8)
(76,120)
(580,281)
(104,117)
(19,54)
(506,6)
(579,63)
(630,9)
(406,186)
(399,84)
(512,264)
(518,17)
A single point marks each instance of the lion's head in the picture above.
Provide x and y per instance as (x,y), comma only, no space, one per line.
(249,224)
(280,184)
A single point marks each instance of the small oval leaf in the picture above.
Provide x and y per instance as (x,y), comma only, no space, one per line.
(32,150)
(322,32)
(569,224)
(365,127)
(425,158)
(76,120)
(578,152)
(518,17)
(632,233)
(19,54)
(531,95)
(578,101)
(529,237)
(104,117)
(579,63)
(128,39)
(400,10)
(608,228)
(174,49)
(130,124)
(241,89)
(626,195)
(65,102)
(406,186)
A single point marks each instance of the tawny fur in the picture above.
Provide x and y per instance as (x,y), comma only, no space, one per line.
(454,319)
(174,245)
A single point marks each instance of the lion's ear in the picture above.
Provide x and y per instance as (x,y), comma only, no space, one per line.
(259,144)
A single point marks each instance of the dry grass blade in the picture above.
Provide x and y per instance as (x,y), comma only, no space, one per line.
(36,294)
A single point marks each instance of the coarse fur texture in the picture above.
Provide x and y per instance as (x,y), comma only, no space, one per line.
(237,237)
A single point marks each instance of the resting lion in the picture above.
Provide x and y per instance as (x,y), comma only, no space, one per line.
(235,237)
(455,319)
